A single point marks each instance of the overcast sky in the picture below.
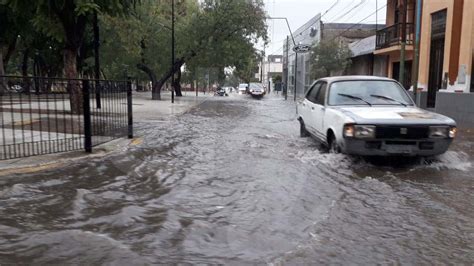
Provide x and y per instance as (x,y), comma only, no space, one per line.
(300,11)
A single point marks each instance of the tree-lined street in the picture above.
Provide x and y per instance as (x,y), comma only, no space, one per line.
(236,132)
(231,181)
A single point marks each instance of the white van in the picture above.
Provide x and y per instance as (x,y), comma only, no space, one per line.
(243,88)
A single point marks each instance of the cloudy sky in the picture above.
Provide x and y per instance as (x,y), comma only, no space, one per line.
(300,11)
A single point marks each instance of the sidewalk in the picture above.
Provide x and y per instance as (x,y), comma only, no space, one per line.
(144,110)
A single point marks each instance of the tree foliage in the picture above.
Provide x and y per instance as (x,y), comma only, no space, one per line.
(329,56)
(136,36)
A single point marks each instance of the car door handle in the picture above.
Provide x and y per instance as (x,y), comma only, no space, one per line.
(312,108)
(304,104)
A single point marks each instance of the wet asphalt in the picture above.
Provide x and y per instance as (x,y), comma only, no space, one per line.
(231,181)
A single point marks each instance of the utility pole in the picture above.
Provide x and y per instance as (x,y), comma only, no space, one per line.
(376,15)
(403,42)
(95,26)
(261,65)
(287,67)
(296,74)
(416,61)
(172,51)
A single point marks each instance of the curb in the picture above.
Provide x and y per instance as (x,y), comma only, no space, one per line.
(57,159)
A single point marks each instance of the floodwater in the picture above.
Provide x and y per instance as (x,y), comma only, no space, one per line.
(232,182)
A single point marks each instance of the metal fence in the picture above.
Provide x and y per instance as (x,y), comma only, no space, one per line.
(49,115)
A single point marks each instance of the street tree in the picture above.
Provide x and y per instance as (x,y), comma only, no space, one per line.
(209,35)
(247,67)
(216,34)
(329,56)
(66,21)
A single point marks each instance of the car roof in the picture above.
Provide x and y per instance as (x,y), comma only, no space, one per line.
(355,78)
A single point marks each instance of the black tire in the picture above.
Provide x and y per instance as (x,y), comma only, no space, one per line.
(303,132)
(332,144)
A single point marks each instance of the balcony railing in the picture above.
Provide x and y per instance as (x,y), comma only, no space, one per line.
(392,35)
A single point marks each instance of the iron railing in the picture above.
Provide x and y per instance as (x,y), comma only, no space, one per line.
(392,35)
(48,115)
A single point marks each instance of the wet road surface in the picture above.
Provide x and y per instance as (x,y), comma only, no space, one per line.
(230,181)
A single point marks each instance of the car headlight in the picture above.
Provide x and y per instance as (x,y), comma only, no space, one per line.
(452,132)
(348,131)
(359,131)
(364,132)
(439,132)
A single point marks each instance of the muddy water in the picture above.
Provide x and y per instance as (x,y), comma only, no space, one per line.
(231,182)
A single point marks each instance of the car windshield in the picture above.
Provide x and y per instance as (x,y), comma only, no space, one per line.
(375,92)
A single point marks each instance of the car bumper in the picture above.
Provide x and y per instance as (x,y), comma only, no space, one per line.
(378,147)
(257,93)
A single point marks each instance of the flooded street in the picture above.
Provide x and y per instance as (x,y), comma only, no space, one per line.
(231,181)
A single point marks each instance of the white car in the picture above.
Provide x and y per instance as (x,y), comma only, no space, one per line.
(365,115)
(243,88)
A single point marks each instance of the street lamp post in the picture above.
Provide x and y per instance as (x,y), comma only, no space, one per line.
(172,51)
(95,23)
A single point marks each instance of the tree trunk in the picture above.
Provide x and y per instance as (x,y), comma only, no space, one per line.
(168,74)
(155,92)
(24,70)
(74,86)
(177,84)
(3,81)
(10,50)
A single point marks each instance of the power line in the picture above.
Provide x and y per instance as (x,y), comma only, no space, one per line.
(329,9)
(337,1)
(276,52)
(358,23)
(342,10)
(357,10)
(350,10)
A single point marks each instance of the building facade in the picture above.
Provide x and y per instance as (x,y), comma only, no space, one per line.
(447,46)
(446,56)
(388,39)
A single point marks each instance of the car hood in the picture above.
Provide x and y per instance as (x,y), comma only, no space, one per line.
(395,115)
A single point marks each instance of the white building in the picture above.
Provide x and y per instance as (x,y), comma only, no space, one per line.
(311,33)
(272,66)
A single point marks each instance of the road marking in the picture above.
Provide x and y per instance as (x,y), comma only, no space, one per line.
(29,169)
(137,141)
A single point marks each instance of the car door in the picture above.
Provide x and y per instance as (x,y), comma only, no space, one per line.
(319,109)
(304,108)
(310,99)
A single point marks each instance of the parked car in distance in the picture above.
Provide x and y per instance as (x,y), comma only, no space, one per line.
(220,92)
(243,88)
(256,90)
(371,116)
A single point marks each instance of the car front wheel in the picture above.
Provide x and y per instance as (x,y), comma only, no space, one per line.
(332,144)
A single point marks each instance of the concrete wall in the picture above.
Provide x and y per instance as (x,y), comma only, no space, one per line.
(462,111)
